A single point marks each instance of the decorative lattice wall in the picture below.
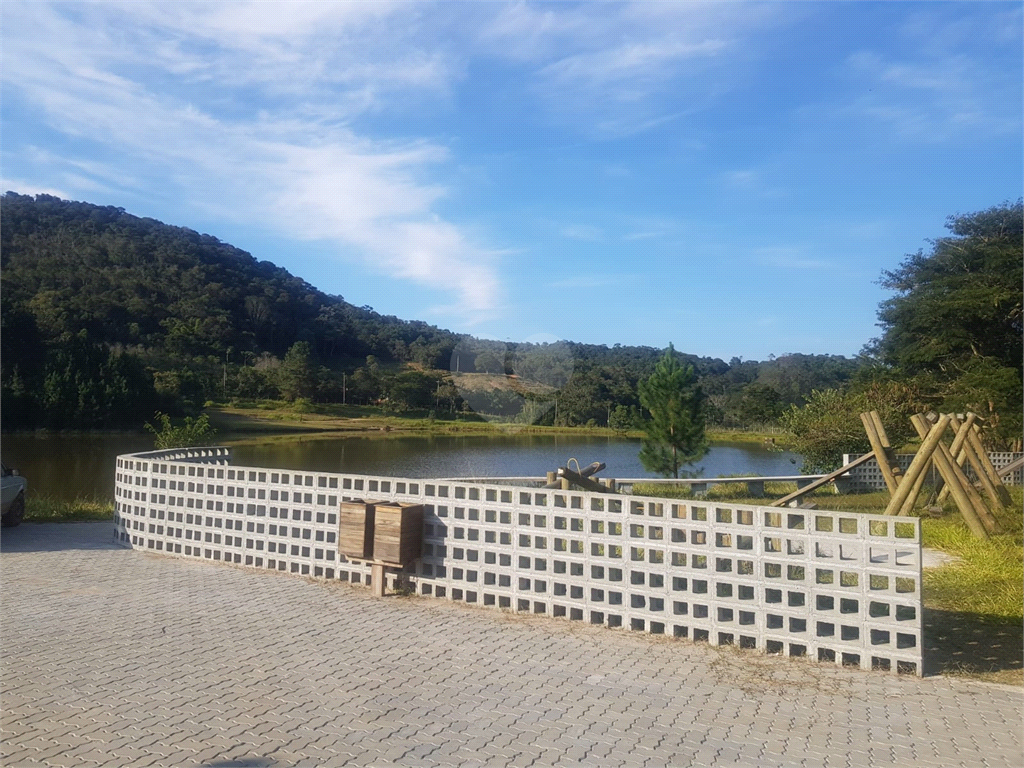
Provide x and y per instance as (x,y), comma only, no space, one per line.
(868,477)
(832,586)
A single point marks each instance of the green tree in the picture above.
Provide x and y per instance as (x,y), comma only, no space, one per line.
(963,300)
(193,432)
(957,318)
(297,376)
(829,424)
(489,361)
(760,404)
(675,430)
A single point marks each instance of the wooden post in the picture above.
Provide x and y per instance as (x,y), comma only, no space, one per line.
(879,446)
(968,455)
(897,470)
(958,450)
(917,467)
(378,578)
(954,477)
(988,472)
(983,512)
(908,505)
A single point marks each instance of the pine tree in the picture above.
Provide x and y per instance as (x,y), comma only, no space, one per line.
(675,431)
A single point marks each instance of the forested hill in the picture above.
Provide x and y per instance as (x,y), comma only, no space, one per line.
(107,317)
(137,282)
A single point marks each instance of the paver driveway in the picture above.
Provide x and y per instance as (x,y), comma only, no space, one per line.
(116,657)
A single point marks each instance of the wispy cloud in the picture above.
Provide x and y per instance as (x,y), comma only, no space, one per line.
(942,84)
(163,95)
(616,69)
(31,188)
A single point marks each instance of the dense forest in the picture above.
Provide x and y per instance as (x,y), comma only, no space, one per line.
(108,317)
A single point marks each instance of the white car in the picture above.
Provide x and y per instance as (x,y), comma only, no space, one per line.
(13,507)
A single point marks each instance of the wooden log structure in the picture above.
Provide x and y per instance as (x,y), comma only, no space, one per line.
(921,461)
(881,448)
(957,449)
(890,454)
(564,478)
(982,465)
(972,509)
(823,480)
(908,506)
(568,477)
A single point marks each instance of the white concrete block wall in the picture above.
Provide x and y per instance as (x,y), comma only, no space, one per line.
(831,586)
(868,477)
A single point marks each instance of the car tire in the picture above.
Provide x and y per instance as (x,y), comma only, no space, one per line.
(15,512)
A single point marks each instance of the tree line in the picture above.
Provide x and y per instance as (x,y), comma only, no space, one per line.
(108,317)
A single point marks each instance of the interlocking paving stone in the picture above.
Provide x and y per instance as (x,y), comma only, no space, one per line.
(118,657)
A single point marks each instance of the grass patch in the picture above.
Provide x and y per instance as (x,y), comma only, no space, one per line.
(735,492)
(974,606)
(47,509)
(733,435)
(989,577)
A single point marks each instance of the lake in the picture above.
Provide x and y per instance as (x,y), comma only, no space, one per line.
(68,466)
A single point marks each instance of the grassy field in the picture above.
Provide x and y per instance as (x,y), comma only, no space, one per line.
(243,421)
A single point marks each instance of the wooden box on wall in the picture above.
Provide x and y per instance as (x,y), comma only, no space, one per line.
(355,529)
(397,533)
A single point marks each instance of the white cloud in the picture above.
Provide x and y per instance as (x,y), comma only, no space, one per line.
(617,69)
(177,114)
(29,188)
(942,83)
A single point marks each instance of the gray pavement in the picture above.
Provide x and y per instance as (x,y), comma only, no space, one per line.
(115,657)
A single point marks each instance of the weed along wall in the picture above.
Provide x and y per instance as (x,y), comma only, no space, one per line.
(832,586)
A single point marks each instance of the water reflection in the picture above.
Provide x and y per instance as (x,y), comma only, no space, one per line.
(66,466)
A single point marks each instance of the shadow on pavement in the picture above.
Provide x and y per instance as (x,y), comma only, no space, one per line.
(956,642)
(57,537)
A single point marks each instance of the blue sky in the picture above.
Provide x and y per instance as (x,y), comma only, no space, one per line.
(730,177)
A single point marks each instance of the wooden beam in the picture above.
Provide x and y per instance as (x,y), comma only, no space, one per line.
(897,470)
(986,473)
(908,506)
(917,467)
(971,509)
(878,446)
(958,449)
(1012,467)
(823,480)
